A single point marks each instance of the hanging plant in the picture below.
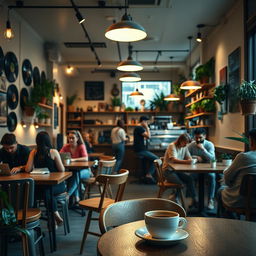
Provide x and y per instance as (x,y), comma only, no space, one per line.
(220,93)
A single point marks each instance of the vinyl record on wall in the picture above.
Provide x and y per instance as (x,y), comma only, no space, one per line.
(36,76)
(1,61)
(27,71)
(11,67)
(12,121)
(23,98)
(43,77)
(12,96)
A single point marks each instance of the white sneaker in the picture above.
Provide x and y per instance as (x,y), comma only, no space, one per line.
(211,204)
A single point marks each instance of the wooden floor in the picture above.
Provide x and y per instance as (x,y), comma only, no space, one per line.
(69,245)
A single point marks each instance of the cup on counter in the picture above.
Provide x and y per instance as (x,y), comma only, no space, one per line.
(163,224)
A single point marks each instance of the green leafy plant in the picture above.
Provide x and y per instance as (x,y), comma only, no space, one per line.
(205,70)
(247,90)
(225,156)
(47,89)
(116,102)
(71,99)
(208,105)
(129,109)
(242,138)
(159,102)
(195,107)
(220,93)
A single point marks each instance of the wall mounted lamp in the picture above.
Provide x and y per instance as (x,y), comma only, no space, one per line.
(61,97)
(130,77)
(126,30)
(36,125)
(23,124)
(199,35)
(8,33)
(69,70)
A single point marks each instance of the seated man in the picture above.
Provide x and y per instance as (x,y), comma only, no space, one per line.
(244,163)
(203,151)
(14,154)
(142,132)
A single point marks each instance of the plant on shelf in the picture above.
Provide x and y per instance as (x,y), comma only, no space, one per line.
(70,102)
(195,108)
(205,71)
(208,105)
(220,93)
(158,103)
(31,104)
(46,89)
(129,109)
(247,95)
(242,138)
(116,103)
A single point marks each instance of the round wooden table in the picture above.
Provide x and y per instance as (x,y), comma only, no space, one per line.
(207,237)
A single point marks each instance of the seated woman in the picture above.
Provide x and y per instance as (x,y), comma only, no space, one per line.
(78,152)
(177,152)
(45,156)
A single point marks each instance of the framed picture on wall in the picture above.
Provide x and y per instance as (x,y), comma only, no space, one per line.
(94,90)
(223,81)
(56,116)
(3,109)
(3,86)
(234,80)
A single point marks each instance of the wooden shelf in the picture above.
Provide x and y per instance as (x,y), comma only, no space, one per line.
(73,127)
(45,106)
(98,125)
(73,120)
(202,98)
(200,114)
(199,126)
(103,112)
(204,87)
(44,125)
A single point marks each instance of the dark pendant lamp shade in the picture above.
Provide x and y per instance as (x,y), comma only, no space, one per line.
(130,77)
(172,97)
(129,65)
(136,93)
(126,30)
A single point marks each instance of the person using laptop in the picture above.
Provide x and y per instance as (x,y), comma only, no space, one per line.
(45,156)
(13,154)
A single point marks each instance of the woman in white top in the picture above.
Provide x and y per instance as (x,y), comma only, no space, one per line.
(118,137)
(177,152)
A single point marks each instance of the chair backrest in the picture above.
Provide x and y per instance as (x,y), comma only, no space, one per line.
(117,179)
(160,176)
(133,210)
(247,189)
(20,195)
(106,166)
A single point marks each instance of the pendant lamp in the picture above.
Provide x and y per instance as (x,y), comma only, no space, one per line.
(129,65)
(137,93)
(190,84)
(172,97)
(126,30)
(130,77)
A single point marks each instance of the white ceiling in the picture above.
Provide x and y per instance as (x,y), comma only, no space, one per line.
(167,26)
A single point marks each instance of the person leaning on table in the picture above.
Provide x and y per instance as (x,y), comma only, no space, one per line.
(45,156)
(12,153)
(244,163)
(177,152)
(203,150)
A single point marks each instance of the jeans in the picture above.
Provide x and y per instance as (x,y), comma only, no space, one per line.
(118,151)
(74,181)
(180,178)
(212,183)
(150,157)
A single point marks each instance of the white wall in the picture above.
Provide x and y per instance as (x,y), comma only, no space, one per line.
(219,44)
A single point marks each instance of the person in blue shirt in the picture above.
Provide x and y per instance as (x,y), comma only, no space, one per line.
(204,151)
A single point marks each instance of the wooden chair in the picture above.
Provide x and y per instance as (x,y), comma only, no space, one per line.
(104,167)
(21,197)
(248,191)
(133,210)
(96,204)
(164,185)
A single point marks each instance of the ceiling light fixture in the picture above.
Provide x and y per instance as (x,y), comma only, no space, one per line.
(129,65)
(190,84)
(136,93)
(126,30)
(199,35)
(8,33)
(130,77)
(172,97)
(79,16)
(69,70)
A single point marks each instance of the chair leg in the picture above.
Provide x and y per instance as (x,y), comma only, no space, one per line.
(25,245)
(180,191)
(86,229)
(66,220)
(160,192)
(40,237)
(31,243)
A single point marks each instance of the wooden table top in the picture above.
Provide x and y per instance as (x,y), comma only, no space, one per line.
(199,167)
(95,154)
(207,237)
(79,165)
(52,178)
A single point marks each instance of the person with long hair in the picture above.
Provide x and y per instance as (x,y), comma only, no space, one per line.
(177,152)
(45,156)
(118,137)
(77,149)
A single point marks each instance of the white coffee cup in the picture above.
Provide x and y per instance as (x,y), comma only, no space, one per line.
(194,161)
(163,224)
(67,161)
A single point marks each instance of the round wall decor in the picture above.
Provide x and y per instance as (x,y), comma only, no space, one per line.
(23,98)
(11,67)
(12,121)
(36,76)
(12,96)
(27,71)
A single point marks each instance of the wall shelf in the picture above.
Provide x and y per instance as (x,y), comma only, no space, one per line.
(199,126)
(202,98)
(45,106)
(204,87)
(199,114)
(44,125)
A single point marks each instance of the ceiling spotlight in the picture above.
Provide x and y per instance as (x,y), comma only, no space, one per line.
(130,77)
(126,30)
(79,17)
(172,97)
(69,70)
(8,33)
(199,35)
(136,93)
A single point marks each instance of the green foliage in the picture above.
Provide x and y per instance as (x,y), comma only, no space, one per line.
(195,106)
(208,105)
(46,89)
(242,138)
(205,70)
(220,93)
(159,102)
(225,156)
(71,99)
(116,102)
(129,109)
(247,90)
(176,89)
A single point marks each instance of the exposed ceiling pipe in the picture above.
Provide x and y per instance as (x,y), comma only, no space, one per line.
(66,7)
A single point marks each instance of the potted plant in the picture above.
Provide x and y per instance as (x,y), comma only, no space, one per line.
(31,105)
(220,93)
(46,90)
(70,102)
(116,103)
(204,71)
(47,118)
(226,159)
(242,138)
(194,108)
(158,103)
(208,105)
(247,95)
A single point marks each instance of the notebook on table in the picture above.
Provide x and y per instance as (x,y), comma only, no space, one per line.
(5,170)
(39,171)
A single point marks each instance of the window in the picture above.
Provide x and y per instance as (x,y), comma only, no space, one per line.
(148,88)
